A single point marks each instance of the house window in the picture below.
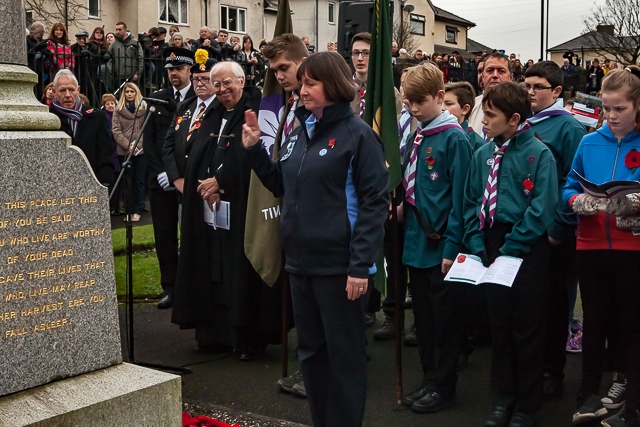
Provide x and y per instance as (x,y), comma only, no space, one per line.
(452,34)
(416,24)
(233,19)
(330,13)
(94,8)
(173,11)
(30,18)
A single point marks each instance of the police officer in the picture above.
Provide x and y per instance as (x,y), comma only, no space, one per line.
(162,195)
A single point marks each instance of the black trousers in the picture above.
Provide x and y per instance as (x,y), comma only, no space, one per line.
(517,317)
(609,284)
(331,349)
(562,276)
(439,327)
(394,256)
(164,214)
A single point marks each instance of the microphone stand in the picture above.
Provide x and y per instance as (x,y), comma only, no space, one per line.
(127,168)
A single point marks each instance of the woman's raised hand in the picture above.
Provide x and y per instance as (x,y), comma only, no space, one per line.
(250,129)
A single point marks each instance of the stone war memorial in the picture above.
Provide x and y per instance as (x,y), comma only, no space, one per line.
(60,351)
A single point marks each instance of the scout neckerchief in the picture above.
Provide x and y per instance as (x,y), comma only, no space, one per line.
(404,129)
(554,110)
(441,123)
(291,117)
(73,115)
(491,189)
(310,124)
(362,91)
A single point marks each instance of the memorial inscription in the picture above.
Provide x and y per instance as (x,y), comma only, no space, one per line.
(58,306)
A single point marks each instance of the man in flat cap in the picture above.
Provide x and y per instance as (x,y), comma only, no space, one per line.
(82,58)
(163,196)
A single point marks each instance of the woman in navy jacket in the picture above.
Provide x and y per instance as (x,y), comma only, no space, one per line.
(334,182)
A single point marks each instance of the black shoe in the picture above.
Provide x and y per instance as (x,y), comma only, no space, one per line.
(369,319)
(387,331)
(553,387)
(522,419)
(410,338)
(590,409)
(432,402)
(415,395)
(166,301)
(499,417)
(116,213)
(251,352)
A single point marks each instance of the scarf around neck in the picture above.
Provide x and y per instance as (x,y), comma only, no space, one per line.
(73,115)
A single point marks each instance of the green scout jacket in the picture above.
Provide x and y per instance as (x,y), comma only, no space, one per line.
(532,214)
(438,193)
(475,140)
(562,135)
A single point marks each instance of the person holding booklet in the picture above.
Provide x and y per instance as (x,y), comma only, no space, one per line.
(435,164)
(608,247)
(561,132)
(510,196)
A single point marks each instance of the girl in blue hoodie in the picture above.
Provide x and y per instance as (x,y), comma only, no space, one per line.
(608,253)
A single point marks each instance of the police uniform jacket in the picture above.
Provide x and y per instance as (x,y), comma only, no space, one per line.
(159,124)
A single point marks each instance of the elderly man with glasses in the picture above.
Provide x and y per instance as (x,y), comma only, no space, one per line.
(217,290)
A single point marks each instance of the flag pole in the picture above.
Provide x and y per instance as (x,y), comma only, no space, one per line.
(397,309)
(284,349)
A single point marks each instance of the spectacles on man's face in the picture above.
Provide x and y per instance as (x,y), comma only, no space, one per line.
(536,88)
(203,80)
(357,53)
(226,83)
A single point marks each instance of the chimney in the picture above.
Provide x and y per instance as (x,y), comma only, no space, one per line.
(607,30)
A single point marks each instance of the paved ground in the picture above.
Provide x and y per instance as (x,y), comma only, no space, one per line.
(246,391)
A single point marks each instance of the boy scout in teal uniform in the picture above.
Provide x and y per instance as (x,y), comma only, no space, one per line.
(435,165)
(510,196)
(459,99)
(562,133)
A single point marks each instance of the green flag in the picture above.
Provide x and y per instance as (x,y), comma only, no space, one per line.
(262,225)
(380,101)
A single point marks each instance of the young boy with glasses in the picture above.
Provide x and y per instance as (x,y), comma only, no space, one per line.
(562,133)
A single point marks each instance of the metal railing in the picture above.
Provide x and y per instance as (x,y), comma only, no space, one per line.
(100,74)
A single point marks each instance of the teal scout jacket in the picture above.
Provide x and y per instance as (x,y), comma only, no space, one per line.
(531,214)
(475,140)
(438,193)
(562,135)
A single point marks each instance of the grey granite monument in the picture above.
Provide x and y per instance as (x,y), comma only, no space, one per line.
(61,358)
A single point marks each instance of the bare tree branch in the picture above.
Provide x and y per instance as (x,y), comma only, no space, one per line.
(51,11)
(402,35)
(624,42)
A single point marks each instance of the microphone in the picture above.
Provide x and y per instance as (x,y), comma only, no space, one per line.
(168,103)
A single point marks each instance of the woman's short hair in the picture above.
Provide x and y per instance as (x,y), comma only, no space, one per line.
(108,97)
(331,69)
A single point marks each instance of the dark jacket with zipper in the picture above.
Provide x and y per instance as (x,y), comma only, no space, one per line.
(336,195)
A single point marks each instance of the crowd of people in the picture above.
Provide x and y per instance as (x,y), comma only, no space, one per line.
(489,175)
